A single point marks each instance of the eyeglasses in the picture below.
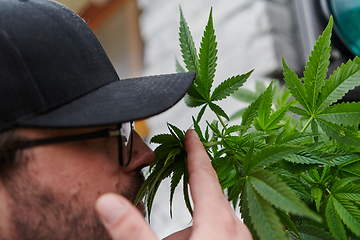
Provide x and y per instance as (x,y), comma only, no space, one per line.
(123,131)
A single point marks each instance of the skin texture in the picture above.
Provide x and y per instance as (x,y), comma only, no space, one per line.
(52,195)
(213,217)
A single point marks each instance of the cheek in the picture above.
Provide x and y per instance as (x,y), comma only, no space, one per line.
(75,172)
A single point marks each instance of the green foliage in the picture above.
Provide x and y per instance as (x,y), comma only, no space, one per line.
(316,95)
(292,164)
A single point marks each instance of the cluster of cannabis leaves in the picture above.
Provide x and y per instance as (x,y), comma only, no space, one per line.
(293,162)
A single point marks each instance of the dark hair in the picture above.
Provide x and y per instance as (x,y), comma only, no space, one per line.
(8,153)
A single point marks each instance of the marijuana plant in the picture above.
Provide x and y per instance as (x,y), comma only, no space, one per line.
(292,163)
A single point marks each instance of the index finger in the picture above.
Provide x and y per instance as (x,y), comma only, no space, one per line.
(213,216)
(204,183)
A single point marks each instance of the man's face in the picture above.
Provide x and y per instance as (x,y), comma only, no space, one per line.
(53,195)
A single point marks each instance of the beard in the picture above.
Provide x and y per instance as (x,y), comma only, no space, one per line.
(36,213)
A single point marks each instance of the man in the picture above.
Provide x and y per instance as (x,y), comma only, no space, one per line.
(70,161)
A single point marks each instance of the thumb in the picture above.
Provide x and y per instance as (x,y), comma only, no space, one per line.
(121,219)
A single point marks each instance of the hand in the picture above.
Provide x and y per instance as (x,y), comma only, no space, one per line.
(213,217)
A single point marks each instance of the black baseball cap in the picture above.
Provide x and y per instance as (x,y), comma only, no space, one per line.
(54,73)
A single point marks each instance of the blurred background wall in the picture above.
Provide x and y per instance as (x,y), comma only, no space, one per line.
(141,38)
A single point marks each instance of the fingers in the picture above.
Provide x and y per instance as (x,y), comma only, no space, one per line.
(121,219)
(213,216)
(180,235)
(204,184)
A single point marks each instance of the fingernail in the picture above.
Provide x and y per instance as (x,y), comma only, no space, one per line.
(195,134)
(110,209)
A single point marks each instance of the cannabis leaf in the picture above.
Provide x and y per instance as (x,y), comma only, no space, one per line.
(333,220)
(292,164)
(205,67)
(308,232)
(170,161)
(316,95)
(266,120)
(279,194)
(263,216)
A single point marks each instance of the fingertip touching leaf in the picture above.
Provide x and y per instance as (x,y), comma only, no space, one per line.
(176,132)
(197,129)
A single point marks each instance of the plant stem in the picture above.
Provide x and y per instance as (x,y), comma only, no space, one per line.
(221,121)
(306,125)
(328,191)
(209,145)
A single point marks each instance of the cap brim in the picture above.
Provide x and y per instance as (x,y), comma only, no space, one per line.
(119,101)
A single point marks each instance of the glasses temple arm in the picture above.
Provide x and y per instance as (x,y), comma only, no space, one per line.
(85,136)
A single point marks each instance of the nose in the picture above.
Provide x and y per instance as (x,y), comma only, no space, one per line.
(141,155)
